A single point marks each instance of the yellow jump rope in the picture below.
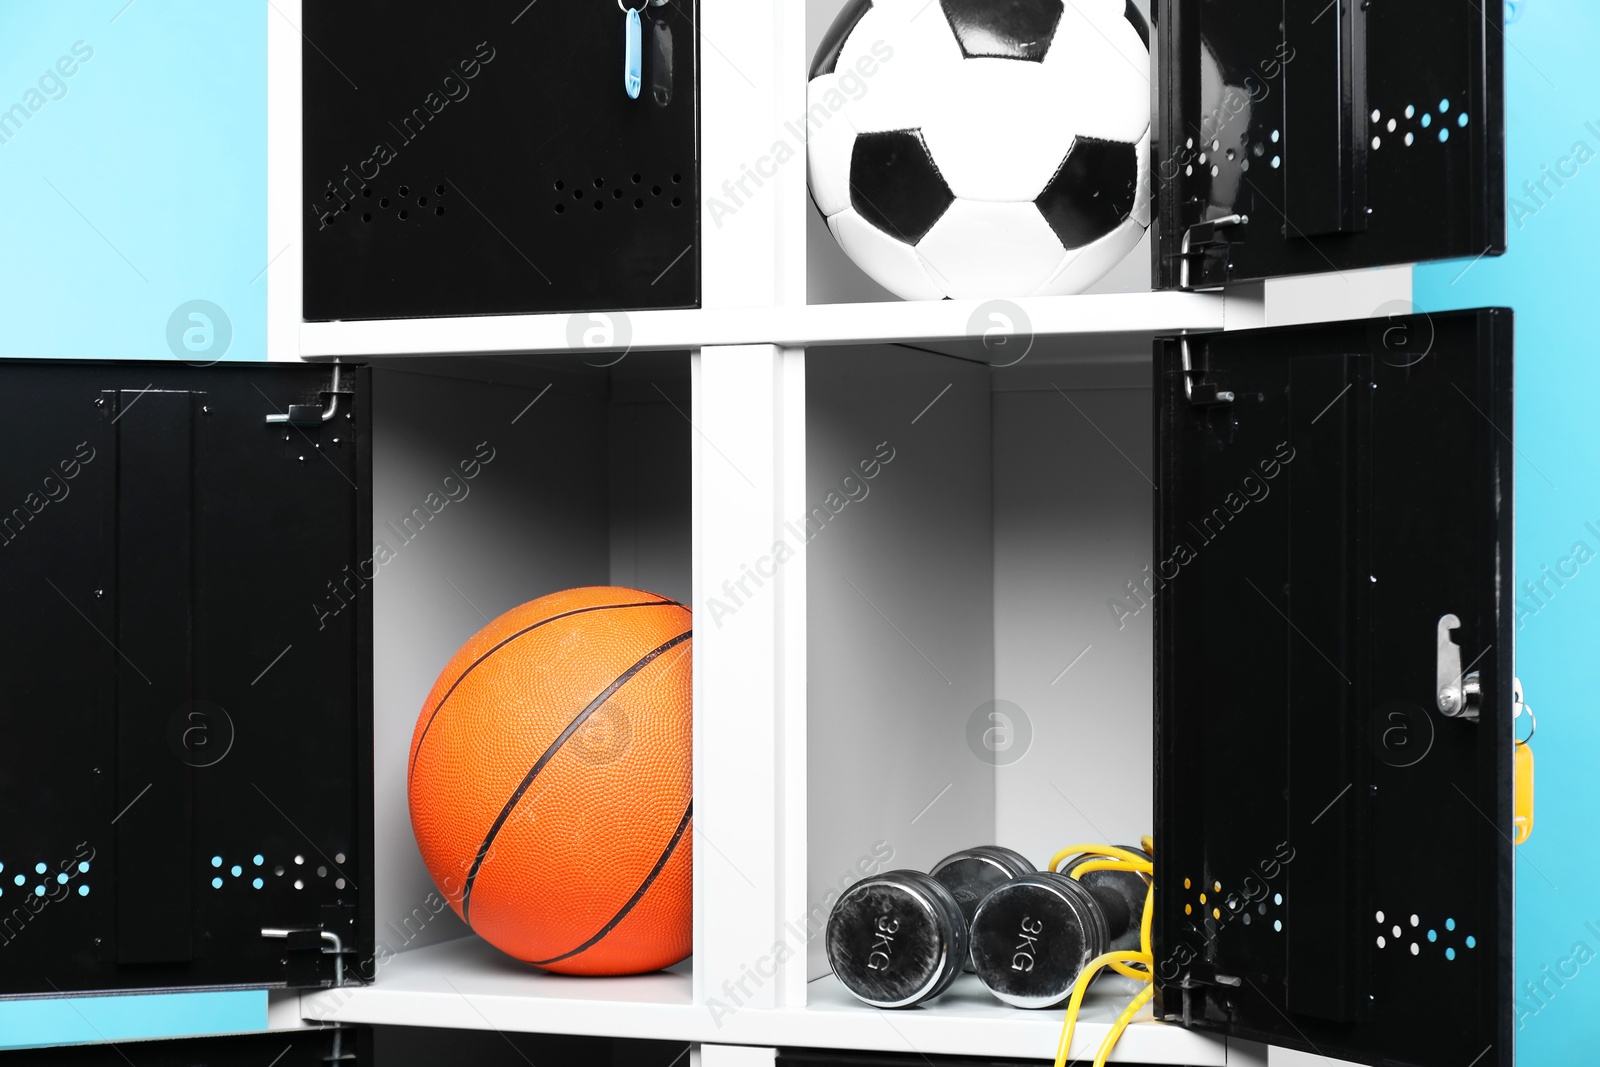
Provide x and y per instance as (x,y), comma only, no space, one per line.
(1139,965)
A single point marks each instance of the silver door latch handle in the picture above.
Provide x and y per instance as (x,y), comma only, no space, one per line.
(1458,695)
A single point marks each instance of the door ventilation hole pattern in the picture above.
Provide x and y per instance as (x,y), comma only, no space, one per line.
(1405,125)
(1216,906)
(1411,935)
(43,879)
(634,192)
(401,203)
(254,872)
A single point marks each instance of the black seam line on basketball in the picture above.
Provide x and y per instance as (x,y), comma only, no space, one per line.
(644,887)
(550,753)
(502,644)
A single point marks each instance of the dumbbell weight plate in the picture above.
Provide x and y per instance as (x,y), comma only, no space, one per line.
(1016,861)
(1130,886)
(973,873)
(896,939)
(1033,936)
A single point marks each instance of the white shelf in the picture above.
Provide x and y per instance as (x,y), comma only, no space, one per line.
(968,1021)
(918,323)
(466,984)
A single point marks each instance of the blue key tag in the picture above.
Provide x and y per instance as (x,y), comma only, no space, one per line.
(633,56)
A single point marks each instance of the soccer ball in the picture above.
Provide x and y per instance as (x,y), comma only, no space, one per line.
(982,148)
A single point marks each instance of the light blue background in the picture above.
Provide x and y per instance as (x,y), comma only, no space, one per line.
(1551,277)
(32,1023)
(157,155)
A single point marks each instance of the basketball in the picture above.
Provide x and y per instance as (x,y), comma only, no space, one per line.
(550,782)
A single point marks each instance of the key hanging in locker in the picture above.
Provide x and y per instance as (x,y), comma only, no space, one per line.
(1522,769)
(633,52)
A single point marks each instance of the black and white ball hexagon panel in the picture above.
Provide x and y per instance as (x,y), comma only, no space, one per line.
(981,148)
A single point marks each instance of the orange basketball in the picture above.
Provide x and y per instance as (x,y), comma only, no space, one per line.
(550,782)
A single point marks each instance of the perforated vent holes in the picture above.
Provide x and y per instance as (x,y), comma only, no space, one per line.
(1213,907)
(1412,934)
(631,192)
(59,881)
(253,871)
(377,205)
(1410,123)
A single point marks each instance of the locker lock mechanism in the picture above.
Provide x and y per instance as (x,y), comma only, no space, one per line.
(1458,694)
(310,414)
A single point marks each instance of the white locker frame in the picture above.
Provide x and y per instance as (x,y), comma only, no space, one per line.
(748,353)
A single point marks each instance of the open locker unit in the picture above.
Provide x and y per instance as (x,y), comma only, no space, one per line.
(234,549)
(1000,571)
(1021,488)
(1059,544)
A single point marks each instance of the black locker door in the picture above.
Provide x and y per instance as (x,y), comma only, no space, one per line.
(185,676)
(1349,133)
(1334,569)
(483,158)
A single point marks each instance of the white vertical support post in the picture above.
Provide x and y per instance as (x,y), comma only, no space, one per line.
(794,203)
(734,1056)
(750,158)
(747,573)
(283,271)
(284,1011)
(749,471)
(789,426)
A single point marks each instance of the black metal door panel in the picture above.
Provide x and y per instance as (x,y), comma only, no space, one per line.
(483,158)
(1350,134)
(1335,871)
(185,670)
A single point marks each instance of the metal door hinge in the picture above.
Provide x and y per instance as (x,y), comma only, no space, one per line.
(312,414)
(303,938)
(1200,393)
(1200,237)
(338,1054)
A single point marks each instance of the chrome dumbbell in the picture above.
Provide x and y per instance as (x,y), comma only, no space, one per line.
(1033,935)
(896,939)
(974,873)
(901,937)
